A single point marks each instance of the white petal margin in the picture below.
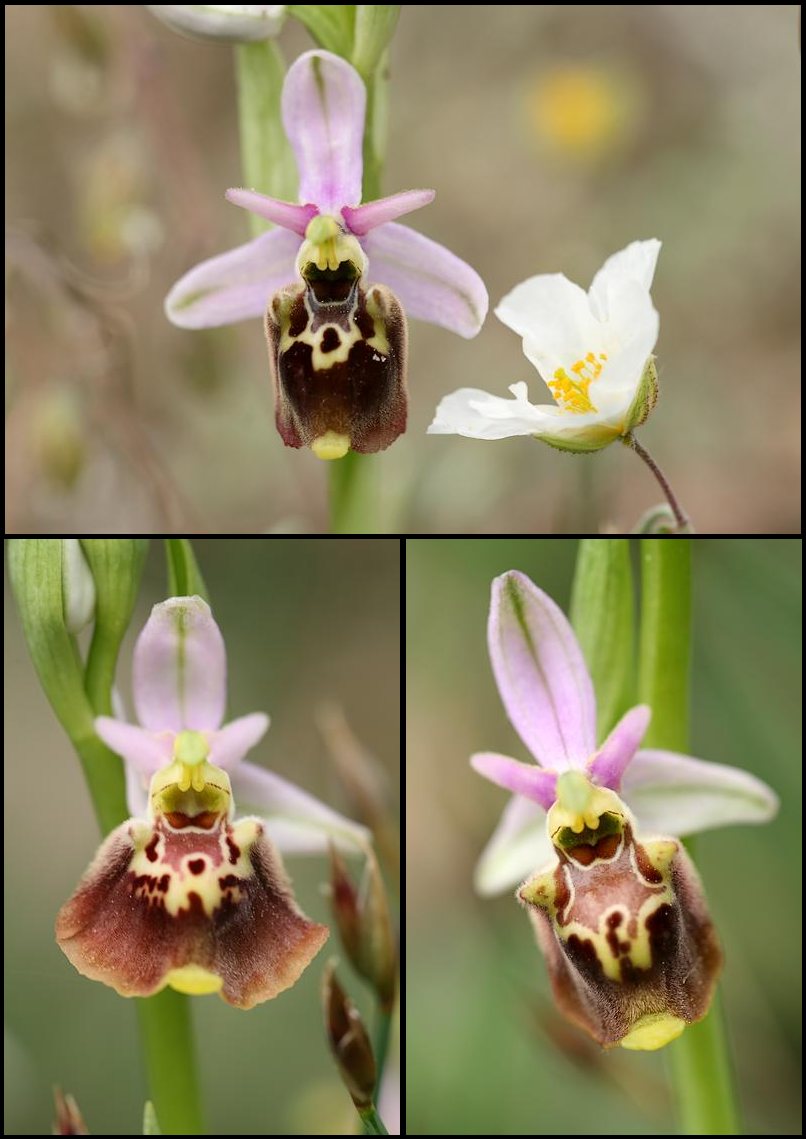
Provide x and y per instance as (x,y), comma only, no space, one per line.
(518,847)
(297,822)
(478,415)
(677,795)
(635,263)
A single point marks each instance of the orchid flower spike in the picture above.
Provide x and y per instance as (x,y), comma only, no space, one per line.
(184,894)
(620,917)
(334,278)
(594,351)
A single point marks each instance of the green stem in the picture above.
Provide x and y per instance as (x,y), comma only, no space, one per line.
(265,153)
(371,1122)
(349,511)
(167,1035)
(380,1045)
(700,1062)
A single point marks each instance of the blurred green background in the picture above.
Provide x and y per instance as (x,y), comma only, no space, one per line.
(486,1051)
(553,134)
(304,621)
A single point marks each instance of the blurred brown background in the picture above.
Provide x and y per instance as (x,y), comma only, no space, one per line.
(554,135)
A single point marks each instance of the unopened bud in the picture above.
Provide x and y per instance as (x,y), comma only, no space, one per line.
(238,23)
(365,925)
(69,1120)
(349,1041)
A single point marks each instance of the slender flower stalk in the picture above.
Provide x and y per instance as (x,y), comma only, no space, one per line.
(681,518)
(700,1059)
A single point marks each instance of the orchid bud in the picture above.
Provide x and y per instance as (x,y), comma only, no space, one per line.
(228,22)
(78,587)
(349,1041)
(365,924)
(69,1120)
(631,950)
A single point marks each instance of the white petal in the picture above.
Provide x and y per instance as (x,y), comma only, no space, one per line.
(479,415)
(518,847)
(635,263)
(675,794)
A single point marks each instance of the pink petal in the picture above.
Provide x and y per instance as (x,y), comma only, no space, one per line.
(323,114)
(541,673)
(142,750)
(678,795)
(232,742)
(522,778)
(518,847)
(180,668)
(285,214)
(430,282)
(236,285)
(296,821)
(607,766)
(361,219)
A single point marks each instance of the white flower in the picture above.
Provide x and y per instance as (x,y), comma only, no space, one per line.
(594,351)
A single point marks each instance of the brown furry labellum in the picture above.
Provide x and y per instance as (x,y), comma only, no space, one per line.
(631,950)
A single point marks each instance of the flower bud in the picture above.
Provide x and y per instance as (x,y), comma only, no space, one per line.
(78,587)
(228,22)
(349,1041)
(69,1120)
(365,925)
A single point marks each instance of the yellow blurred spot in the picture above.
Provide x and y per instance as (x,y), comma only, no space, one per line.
(579,110)
(331,445)
(194,980)
(653,1031)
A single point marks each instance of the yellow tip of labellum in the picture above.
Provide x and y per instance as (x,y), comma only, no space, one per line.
(653,1031)
(194,980)
(331,445)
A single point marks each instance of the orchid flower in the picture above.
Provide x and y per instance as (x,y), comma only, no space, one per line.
(346,254)
(182,893)
(620,917)
(594,351)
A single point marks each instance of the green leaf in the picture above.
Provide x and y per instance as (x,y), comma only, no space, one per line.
(117,567)
(602,617)
(374,27)
(331,25)
(184,575)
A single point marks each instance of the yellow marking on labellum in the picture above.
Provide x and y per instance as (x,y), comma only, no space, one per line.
(194,980)
(653,1031)
(331,445)
(347,337)
(572,393)
(211,884)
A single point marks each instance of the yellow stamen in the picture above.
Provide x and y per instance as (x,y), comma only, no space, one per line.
(572,394)
(331,445)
